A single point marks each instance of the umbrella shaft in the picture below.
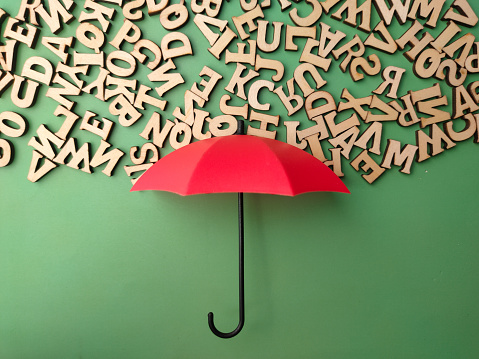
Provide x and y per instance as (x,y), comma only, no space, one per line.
(241,256)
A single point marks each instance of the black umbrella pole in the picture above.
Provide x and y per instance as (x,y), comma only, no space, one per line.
(241,279)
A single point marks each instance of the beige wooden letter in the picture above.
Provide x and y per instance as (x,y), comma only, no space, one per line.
(6,120)
(247,19)
(301,80)
(367,164)
(402,157)
(392,81)
(184,49)
(101,129)
(309,20)
(270,64)
(364,64)
(30,71)
(348,48)
(254,92)
(292,97)
(240,82)
(435,140)
(94,42)
(128,32)
(233,110)
(150,45)
(127,114)
(296,31)
(175,10)
(261,37)
(264,120)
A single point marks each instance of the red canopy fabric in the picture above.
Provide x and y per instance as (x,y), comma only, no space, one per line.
(239,163)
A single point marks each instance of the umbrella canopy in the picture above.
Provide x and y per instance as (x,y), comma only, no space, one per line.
(239,163)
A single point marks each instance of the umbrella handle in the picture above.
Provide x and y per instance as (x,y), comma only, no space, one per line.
(241,279)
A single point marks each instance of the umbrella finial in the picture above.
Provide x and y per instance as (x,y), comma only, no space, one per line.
(240,130)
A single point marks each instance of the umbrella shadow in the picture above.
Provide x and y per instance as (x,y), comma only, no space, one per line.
(261,271)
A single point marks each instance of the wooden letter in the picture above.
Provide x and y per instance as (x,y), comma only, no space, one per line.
(101,157)
(428,107)
(465,14)
(409,37)
(367,164)
(291,134)
(241,56)
(363,63)
(211,7)
(348,48)
(56,10)
(202,21)
(153,128)
(58,45)
(264,119)
(254,92)
(428,9)
(301,81)
(462,102)
(288,100)
(131,10)
(274,65)
(128,32)
(295,31)
(30,93)
(308,56)
(184,49)
(43,77)
(6,152)
(329,106)
(98,14)
(374,130)
(350,6)
(217,125)
(386,44)
(233,110)
(122,56)
(161,75)
(469,130)
(261,36)
(328,40)
(398,9)
(6,119)
(309,20)
(180,129)
(435,140)
(127,114)
(14,31)
(390,81)
(142,97)
(179,11)
(402,157)
(150,45)
(154,8)
(209,85)
(94,42)
(247,19)
(101,129)
(240,82)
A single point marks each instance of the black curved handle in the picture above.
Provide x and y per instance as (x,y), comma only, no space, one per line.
(241,279)
(221,334)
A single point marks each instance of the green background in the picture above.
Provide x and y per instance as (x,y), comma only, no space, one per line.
(89,270)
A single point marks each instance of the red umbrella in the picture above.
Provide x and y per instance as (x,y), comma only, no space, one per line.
(239,163)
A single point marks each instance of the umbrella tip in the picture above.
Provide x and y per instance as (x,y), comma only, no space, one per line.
(240,130)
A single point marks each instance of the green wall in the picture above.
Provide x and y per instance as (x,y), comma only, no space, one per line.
(89,270)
